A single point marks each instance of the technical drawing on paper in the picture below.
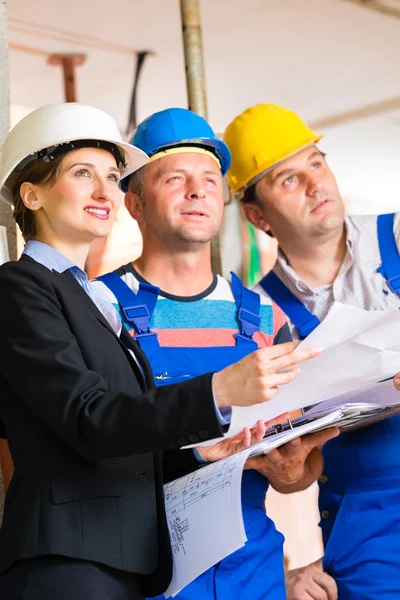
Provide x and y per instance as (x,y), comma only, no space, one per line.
(182,494)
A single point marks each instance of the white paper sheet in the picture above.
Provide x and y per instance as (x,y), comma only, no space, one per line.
(360,349)
(383,394)
(204,516)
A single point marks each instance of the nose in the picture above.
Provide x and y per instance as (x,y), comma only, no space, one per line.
(196,190)
(314,184)
(101,191)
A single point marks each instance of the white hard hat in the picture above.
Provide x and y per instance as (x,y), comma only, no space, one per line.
(56,124)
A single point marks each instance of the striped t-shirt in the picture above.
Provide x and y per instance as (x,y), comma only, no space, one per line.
(205,320)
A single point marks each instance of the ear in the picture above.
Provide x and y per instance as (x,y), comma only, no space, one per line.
(134,205)
(255,215)
(28,195)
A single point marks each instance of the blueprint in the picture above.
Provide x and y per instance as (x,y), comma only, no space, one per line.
(204,516)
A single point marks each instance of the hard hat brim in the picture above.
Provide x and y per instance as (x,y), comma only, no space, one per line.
(241,186)
(221,149)
(217,146)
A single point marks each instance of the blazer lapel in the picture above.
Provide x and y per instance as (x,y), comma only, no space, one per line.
(130,343)
(84,297)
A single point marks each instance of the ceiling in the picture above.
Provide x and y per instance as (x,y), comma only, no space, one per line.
(319,57)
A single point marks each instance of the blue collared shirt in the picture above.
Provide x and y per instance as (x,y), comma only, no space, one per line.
(53,259)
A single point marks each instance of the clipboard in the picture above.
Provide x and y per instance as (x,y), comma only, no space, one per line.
(347,417)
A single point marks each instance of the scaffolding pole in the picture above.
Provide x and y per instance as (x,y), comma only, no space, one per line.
(195,83)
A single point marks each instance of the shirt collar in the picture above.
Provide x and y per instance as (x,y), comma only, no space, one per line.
(48,256)
(350,234)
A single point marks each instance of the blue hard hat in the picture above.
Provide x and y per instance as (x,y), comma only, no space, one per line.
(177,127)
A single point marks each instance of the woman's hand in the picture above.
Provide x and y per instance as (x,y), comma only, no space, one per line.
(240,441)
(257,377)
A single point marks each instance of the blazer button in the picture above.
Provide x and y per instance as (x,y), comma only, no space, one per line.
(323,479)
(181,441)
(193,438)
(325,514)
(171,445)
(203,435)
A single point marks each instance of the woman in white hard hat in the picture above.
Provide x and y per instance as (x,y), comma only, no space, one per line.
(84,513)
(83,516)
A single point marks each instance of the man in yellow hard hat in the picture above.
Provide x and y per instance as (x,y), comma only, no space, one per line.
(288,190)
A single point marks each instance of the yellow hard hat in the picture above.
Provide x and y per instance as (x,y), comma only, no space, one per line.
(260,138)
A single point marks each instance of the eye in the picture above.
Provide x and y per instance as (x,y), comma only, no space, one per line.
(114,177)
(174,178)
(316,165)
(288,180)
(82,173)
(211,180)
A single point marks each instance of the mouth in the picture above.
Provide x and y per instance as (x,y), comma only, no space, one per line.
(195,214)
(98,212)
(320,204)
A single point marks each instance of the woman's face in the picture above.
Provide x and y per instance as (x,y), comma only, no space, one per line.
(81,205)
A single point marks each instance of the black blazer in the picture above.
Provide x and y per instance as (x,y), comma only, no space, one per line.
(86,430)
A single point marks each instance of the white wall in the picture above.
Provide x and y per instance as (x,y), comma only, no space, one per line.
(365,156)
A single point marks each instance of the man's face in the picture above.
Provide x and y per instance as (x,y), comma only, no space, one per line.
(300,199)
(183,199)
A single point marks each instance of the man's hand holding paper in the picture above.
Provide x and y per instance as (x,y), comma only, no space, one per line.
(294,466)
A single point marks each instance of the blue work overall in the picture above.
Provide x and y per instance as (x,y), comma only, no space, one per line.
(255,572)
(359,497)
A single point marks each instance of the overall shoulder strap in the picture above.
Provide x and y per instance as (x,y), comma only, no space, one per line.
(248,305)
(136,308)
(390,268)
(304,321)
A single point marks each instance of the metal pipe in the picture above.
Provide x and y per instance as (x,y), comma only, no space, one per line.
(378,6)
(195,83)
(193,50)
(68,63)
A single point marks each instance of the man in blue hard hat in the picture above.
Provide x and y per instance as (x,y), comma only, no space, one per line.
(199,322)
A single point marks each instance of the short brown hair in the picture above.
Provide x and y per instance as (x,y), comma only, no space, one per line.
(37,172)
(250,196)
(136,183)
